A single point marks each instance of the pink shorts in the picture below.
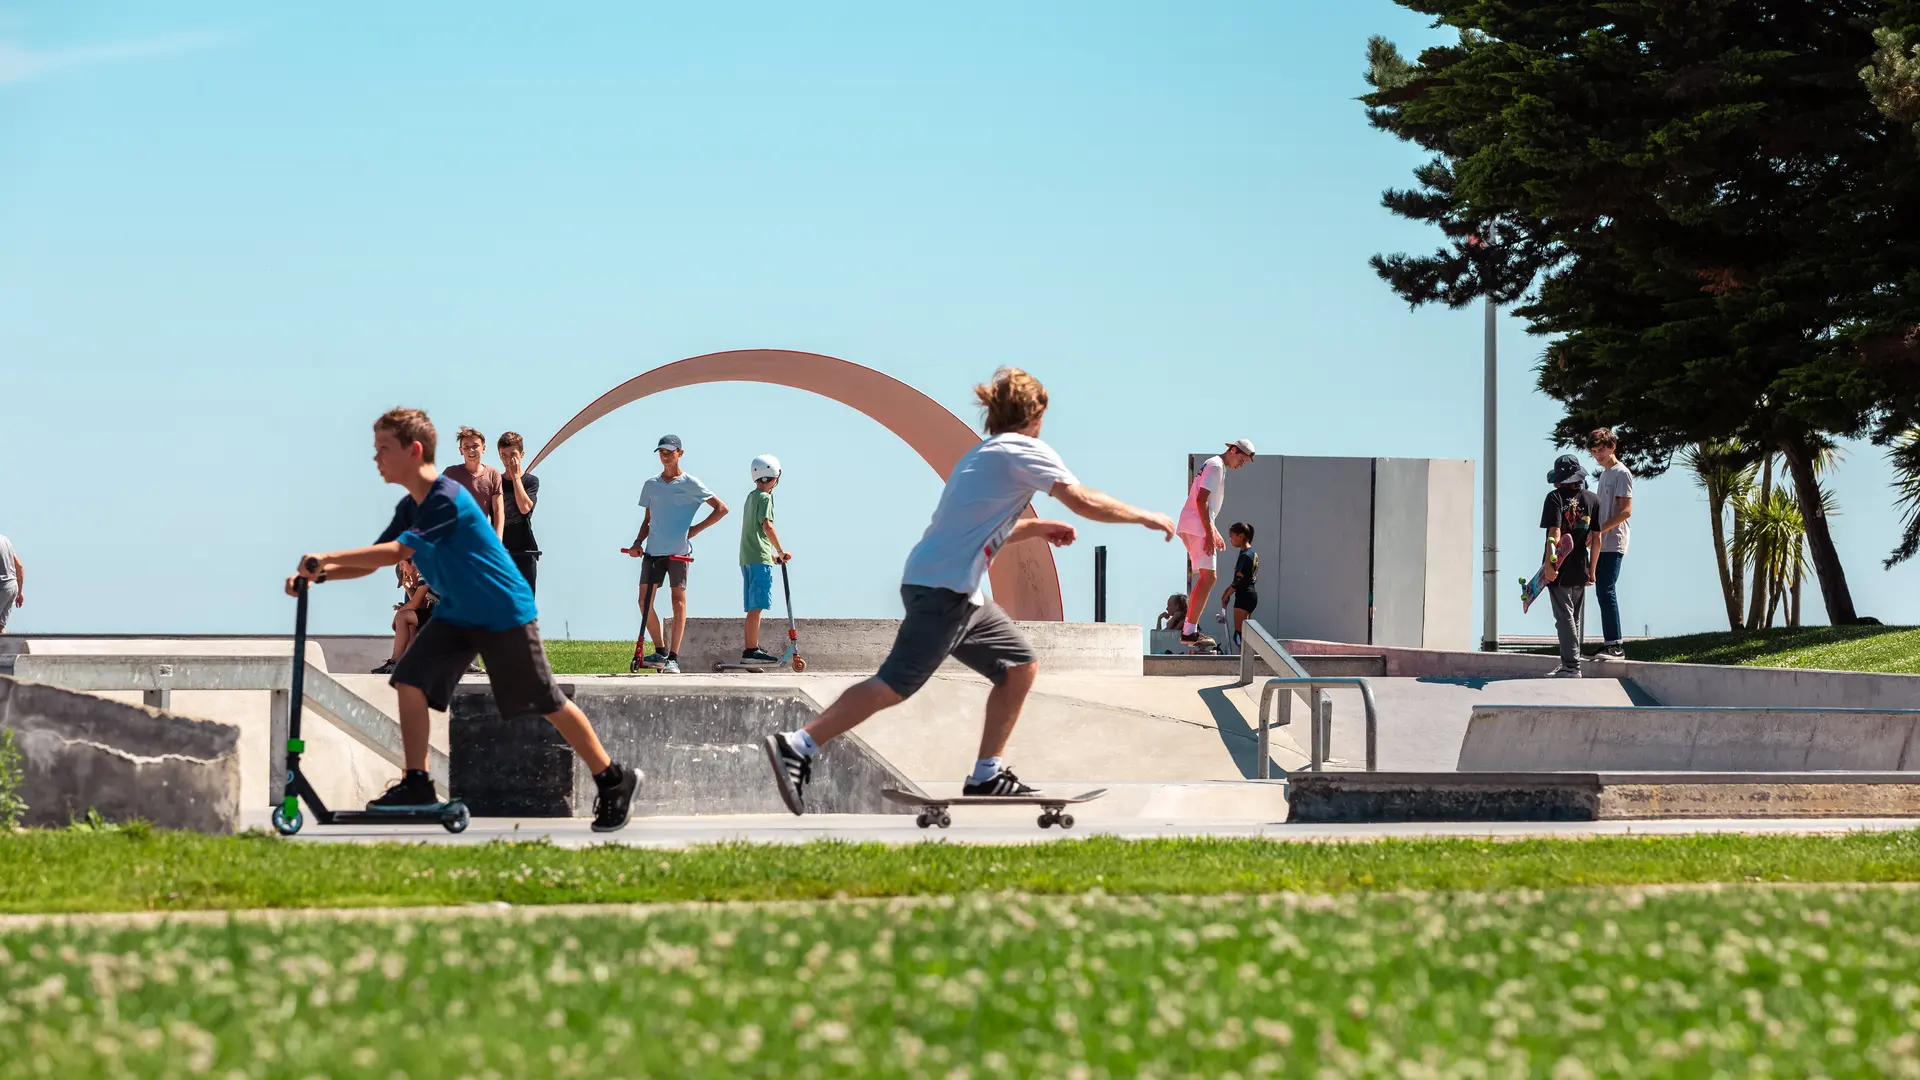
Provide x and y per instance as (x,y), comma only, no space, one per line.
(1197,552)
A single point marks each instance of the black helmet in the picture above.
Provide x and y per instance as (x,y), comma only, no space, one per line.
(1566,469)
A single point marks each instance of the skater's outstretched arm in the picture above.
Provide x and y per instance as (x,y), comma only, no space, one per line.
(345,565)
(1100,506)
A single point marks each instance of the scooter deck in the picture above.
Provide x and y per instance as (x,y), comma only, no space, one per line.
(430,815)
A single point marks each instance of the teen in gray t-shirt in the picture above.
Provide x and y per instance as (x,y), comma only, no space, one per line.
(1615,490)
(12,594)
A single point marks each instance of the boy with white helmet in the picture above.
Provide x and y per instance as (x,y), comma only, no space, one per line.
(759,550)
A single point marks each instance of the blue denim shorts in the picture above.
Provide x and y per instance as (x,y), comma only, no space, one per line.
(756,586)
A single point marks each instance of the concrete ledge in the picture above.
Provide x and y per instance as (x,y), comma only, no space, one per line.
(1179,664)
(699,747)
(124,761)
(1321,798)
(1541,738)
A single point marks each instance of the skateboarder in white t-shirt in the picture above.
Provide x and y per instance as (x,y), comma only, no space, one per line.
(1200,535)
(947,614)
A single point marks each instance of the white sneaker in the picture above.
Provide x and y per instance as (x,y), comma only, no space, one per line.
(670,667)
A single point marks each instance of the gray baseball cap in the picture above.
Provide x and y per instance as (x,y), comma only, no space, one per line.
(669,442)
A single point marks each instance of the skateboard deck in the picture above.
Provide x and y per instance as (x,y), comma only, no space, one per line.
(1531,588)
(933,811)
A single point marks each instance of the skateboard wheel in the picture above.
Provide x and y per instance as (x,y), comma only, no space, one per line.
(944,821)
(924,821)
(1046,821)
(1066,821)
(287,826)
(457,821)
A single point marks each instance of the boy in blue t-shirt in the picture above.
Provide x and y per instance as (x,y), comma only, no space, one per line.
(485,608)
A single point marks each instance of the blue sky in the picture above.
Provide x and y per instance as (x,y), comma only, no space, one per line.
(232,235)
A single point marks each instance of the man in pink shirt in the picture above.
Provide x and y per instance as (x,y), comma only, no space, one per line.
(1201,536)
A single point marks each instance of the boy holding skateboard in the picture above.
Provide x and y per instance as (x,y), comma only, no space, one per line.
(759,550)
(947,613)
(484,608)
(665,545)
(1573,512)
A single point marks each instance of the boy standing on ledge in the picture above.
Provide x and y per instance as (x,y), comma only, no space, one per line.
(485,608)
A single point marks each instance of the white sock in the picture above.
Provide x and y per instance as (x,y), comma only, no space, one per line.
(984,770)
(802,743)
(1191,628)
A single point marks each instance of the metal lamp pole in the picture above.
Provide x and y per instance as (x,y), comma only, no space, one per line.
(1490,501)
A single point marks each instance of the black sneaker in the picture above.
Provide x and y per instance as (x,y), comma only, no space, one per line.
(1000,784)
(413,791)
(759,656)
(654,659)
(383,669)
(792,772)
(613,804)
(1615,651)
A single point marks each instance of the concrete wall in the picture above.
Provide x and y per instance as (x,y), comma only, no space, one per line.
(125,761)
(1355,549)
(1575,738)
(859,645)
(699,747)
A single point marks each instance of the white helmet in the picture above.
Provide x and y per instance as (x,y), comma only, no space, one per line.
(765,466)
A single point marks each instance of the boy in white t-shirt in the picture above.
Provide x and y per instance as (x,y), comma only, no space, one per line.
(1201,536)
(947,614)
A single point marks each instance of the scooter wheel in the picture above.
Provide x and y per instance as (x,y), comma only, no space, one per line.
(634,668)
(457,822)
(799,665)
(287,826)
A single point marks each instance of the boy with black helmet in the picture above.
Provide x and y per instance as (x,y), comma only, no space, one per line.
(1573,511)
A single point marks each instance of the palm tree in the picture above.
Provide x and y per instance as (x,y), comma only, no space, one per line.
(1724,469)
(1905,459)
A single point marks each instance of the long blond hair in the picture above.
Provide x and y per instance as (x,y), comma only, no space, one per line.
(1012,400)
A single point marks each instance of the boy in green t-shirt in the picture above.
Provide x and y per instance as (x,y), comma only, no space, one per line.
(759,550)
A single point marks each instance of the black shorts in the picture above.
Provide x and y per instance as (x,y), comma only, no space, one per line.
(516,666)
(528,563)
(942,623)
(670,570)
(1246,599)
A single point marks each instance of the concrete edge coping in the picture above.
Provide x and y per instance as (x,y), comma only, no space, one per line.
(1588,779)
(1816,710)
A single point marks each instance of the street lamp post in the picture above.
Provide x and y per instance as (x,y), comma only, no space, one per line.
(1490,499)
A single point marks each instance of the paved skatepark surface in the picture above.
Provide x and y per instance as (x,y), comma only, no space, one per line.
(994,825)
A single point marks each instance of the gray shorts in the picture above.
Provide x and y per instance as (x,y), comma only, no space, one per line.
(8,594)
(668,570)
(942,623)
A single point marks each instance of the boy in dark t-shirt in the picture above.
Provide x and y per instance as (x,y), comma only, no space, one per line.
(1574,512)
(1246,568)
(485,608)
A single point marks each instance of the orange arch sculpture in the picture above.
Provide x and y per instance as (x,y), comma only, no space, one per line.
(1025,581)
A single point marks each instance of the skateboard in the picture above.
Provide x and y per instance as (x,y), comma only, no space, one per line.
(934,811)
(1531,588)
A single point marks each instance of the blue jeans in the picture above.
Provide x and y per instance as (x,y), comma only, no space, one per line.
(1606,580)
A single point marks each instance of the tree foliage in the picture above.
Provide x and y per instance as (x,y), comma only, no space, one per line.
(1699,205)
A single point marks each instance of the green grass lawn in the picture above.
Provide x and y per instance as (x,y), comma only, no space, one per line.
(54,871)
(1892,649)
(589,657)
(1746,981)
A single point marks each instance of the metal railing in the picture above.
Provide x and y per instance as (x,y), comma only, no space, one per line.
(158,676)
(1256,642)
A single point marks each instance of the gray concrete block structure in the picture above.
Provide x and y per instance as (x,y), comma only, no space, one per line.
(124,761)
(1367,550)
(1539,738)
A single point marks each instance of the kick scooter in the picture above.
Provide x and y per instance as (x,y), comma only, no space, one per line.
(287,819)
(792,655)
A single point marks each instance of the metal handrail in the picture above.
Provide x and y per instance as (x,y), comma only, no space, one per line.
(1320,725)
(1254,639)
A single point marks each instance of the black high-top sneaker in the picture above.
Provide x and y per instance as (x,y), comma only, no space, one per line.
(615,800)
(413,791)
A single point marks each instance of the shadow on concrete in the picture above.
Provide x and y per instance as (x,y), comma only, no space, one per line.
(1635,694)
(1238,736)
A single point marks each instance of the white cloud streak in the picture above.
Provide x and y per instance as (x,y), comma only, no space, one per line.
(19,64)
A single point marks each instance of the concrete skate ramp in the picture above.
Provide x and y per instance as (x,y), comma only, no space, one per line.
(699,747)
(1423,721)
(1539,739)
